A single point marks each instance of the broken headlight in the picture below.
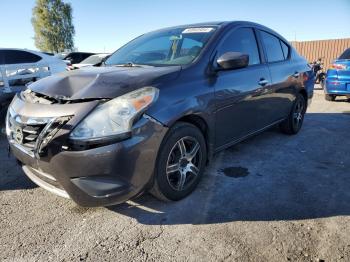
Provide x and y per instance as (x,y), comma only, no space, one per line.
(116,116)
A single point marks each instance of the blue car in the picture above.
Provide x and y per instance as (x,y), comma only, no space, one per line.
(338,77)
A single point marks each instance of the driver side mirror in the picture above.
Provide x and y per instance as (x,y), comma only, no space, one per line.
(232,60)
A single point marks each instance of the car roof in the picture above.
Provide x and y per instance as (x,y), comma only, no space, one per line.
(20,49)
(39,53)
(218,23)
(224,24)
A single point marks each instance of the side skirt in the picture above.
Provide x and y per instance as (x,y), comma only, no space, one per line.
(247,136)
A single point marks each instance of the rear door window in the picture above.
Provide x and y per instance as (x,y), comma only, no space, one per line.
(273,47)
(19,57)
(242,40)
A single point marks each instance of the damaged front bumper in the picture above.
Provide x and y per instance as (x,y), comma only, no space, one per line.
(98,176)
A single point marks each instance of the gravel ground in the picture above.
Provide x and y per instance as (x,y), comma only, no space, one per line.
(271,198)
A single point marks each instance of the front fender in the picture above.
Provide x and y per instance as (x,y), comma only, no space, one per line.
(186,102)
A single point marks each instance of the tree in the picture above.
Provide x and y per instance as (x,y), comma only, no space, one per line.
(53,27)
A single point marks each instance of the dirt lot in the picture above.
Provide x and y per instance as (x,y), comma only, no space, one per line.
(271,198)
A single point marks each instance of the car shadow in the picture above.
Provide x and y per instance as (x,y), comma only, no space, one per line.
(17,182)
(268,177)
(11,174)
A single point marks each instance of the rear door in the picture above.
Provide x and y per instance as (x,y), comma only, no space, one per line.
(237,92)
(284,76)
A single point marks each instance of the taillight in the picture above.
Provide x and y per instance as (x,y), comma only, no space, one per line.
(305,77)
(338,66)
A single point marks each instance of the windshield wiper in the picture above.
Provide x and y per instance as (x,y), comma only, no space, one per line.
(131,64)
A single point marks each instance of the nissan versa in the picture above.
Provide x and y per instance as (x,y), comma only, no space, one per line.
(152,117)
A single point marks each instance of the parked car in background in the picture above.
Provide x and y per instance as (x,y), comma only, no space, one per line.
(19,67)
(73,58)
(48,53)
(92,60)
(155,114)
(338,77)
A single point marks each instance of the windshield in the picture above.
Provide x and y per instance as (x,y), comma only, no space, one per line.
(345,55)
(178,46)
(94,59)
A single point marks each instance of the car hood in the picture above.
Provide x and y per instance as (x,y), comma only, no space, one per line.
(102,82)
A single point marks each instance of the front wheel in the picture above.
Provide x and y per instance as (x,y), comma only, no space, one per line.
(293,123)
(181,162)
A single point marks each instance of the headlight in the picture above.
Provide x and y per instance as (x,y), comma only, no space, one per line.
(116,116)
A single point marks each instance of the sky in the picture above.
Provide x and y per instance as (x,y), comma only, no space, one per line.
(105,25)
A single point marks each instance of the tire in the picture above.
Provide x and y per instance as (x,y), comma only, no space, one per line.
(322,83)
(329,97)
(177,171)
(294,122)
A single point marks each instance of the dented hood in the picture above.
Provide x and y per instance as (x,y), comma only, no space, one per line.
(102,82)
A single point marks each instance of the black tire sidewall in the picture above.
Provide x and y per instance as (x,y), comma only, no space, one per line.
(175,134)
(294,127)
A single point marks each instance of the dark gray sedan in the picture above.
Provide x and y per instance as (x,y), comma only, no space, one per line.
(155,113)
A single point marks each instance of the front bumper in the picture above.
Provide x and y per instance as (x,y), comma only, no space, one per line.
(99,176)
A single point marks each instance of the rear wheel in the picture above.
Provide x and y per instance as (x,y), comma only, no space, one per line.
(293,123)
(330,97)
(181,162)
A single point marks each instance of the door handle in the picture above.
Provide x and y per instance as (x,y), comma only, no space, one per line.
(296,74)
(263,82)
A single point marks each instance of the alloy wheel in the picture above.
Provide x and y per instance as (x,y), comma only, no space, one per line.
(183,163)
(298,114)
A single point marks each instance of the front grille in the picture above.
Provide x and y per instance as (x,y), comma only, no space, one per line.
(32,135)
(24,133)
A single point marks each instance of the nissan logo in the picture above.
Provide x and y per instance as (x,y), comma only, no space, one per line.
(18,135)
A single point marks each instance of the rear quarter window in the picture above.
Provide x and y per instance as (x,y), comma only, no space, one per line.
(285,49)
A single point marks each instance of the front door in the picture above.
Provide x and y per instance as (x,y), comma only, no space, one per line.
(238,92)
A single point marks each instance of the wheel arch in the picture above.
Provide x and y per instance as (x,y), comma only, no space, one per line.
(203,126)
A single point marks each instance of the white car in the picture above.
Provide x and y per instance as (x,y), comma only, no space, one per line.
(18,66)
(90,61)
